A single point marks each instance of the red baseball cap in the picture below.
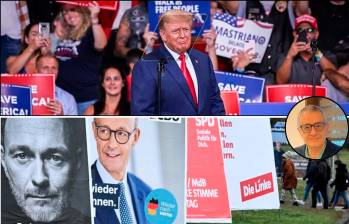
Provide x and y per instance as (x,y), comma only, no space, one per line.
(306,19)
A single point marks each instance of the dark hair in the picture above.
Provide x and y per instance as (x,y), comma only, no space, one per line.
(124,106)
(26,34)
(337,162)
(134,55)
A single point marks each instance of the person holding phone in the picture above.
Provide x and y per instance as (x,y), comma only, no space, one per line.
(297,66)
(33,45)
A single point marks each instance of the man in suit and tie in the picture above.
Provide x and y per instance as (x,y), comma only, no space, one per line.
(188,83)
(115,138)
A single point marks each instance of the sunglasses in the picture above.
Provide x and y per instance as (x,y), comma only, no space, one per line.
(307,30)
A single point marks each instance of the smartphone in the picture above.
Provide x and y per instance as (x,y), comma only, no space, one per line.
(302,36)
(44,30)
(251,45)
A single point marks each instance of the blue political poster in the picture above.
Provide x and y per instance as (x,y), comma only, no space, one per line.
(199,9)
(249,88)
(15,100)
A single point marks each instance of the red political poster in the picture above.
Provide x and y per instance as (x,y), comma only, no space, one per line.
(42,89)
(291,93)
(207,196)
(256,186)
(231,102)
(109,5)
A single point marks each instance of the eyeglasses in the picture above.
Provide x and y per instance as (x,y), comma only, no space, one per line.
(308,30)
(121,136)
(306,128)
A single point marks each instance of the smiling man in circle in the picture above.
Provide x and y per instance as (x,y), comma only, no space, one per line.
(313,127)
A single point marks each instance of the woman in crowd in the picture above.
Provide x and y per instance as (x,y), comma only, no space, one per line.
(113,100)
(80,55)
(33,44)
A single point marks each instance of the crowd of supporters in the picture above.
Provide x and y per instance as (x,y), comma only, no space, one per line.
(96,49)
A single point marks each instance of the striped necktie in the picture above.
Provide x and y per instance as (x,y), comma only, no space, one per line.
(125,212)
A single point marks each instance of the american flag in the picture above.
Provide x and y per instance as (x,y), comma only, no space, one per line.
(225,17)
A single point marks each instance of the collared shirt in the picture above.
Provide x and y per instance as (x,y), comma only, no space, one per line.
(190,67)
(322,151)
(67,100)
(107,178)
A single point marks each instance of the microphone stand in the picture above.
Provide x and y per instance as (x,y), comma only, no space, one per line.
(161,66)
(313,45)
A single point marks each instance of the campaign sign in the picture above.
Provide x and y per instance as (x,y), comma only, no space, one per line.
(231,102)
(109,5)
(15,100)
(256,187)
(207,196)
(249,88)
(106,195)
(199,9)
(291,93)
(42,89)
(237,34)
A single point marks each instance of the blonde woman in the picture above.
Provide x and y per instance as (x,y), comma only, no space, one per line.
(80,55)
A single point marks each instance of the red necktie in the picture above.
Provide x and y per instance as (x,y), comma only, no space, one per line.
(188,78)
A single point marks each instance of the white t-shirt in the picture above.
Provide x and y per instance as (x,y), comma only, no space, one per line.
(10,25)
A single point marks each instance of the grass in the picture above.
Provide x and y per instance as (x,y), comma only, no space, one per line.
(289,214)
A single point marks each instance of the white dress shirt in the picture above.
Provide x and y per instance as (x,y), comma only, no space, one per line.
(190,67)
(108,179)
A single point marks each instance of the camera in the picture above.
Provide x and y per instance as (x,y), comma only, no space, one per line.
(44,30)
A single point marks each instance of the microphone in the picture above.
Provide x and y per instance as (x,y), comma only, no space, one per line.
(160,68)
(313,45)
(161,65)
(314,48)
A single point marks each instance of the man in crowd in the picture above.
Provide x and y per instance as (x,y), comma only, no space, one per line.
(313,127)
(115,138)
(298,65)
(40,159)
(65,103)
(322,177)
(188,84)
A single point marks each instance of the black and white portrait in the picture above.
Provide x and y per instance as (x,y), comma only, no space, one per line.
(44,171)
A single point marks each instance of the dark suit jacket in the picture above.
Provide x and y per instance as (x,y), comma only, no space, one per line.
(176,98)
(139,191)
(330,150)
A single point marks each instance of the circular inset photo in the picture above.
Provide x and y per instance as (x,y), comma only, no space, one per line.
(316,128)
